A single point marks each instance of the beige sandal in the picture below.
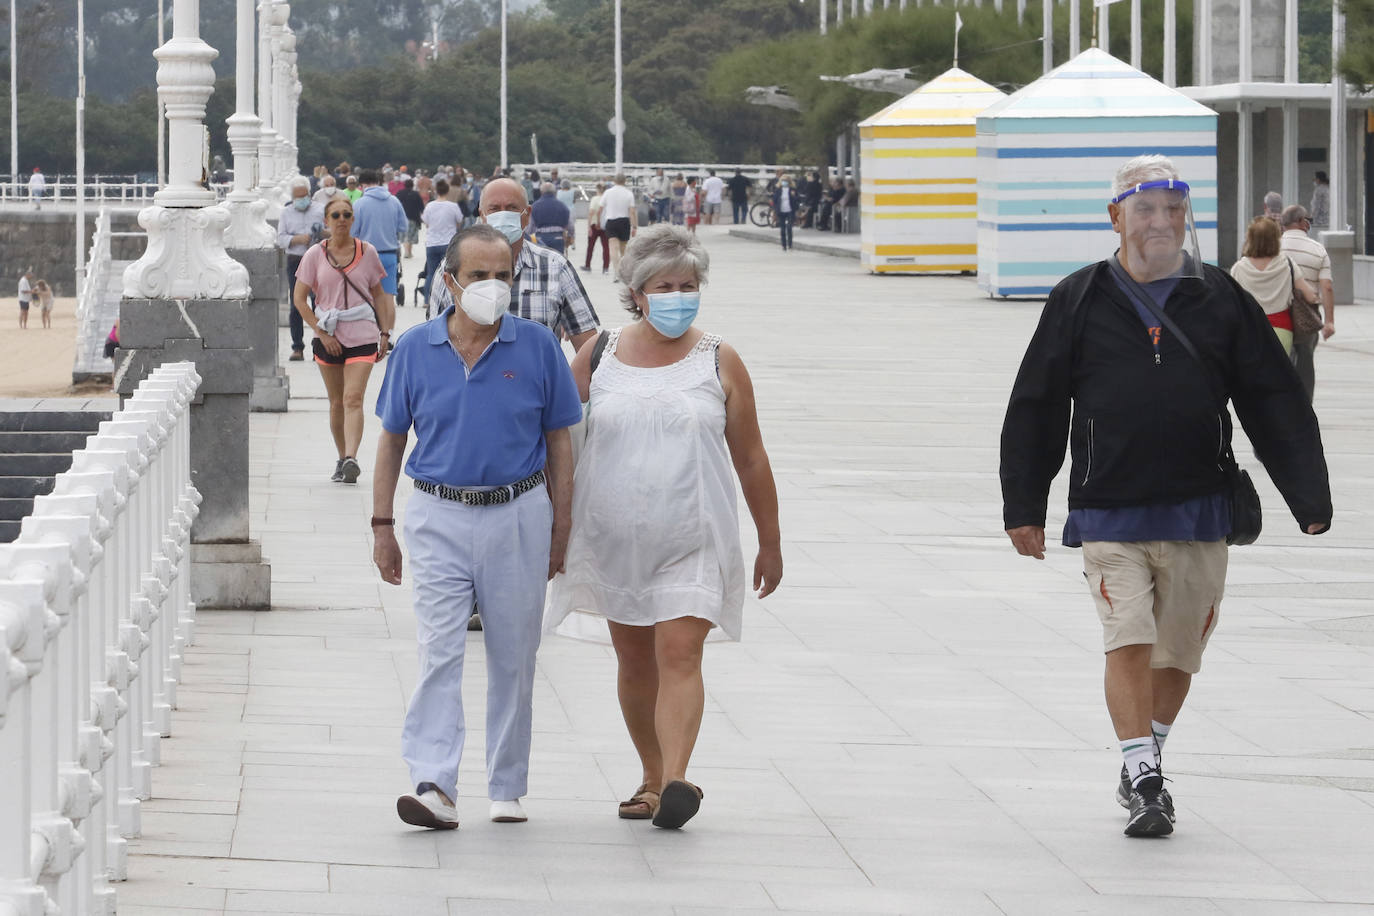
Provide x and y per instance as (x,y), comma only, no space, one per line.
(641,806)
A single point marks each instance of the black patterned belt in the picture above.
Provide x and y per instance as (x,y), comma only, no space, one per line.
(496,497)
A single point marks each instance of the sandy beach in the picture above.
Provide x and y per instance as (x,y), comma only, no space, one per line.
(40,361)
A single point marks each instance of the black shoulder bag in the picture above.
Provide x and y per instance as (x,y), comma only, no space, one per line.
(1246,517)
(598,348)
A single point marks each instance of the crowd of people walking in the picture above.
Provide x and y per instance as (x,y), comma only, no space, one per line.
(595,497)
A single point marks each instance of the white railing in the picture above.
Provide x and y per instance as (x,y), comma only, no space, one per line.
(97,263)
(637,173)
(127,193)
(95,612)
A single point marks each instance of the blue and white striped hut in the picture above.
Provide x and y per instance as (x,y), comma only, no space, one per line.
(1046,158)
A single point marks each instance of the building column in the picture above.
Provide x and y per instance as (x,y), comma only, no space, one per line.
(1290,153)
(1245,155)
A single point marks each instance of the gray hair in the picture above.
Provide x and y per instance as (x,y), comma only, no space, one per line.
(300,181)
(477,231)
(657,249)
(546,187)
(328,182)
(1151,167)
(1291,216)
(1273,202)
(566,184)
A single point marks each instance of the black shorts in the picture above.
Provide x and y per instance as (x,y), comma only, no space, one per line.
(619,228)
(367,353)
(23,306)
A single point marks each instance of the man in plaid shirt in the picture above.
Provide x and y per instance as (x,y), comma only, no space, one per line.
(546,287)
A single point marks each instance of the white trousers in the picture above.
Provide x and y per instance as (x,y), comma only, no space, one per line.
(497,556)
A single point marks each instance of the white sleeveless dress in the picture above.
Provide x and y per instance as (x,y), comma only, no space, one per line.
(655,528)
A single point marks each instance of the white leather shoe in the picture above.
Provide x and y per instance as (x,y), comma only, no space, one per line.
(508,812)
(427,809)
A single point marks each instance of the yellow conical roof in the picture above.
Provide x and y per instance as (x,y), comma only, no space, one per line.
(953,97)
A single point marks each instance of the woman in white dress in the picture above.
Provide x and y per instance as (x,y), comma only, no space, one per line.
(654,555)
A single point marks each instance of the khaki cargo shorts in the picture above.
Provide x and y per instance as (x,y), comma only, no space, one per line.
(1165,594)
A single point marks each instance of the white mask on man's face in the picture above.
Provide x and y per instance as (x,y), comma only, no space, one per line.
(484,301)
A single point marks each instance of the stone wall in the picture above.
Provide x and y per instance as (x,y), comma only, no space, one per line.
(46,241)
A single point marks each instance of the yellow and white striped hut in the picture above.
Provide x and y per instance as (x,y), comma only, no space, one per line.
(918,167)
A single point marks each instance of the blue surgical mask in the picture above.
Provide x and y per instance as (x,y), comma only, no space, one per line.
(301,203)
(506,223)
(672,314)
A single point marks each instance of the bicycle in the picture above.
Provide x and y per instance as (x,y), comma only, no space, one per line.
(761,214)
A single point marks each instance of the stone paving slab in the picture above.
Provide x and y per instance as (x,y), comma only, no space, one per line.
(913,723)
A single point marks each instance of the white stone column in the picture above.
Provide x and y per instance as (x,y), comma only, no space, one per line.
(248,226)
(271,16)
(185,257)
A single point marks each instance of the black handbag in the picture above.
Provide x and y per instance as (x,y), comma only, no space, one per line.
(1246,515)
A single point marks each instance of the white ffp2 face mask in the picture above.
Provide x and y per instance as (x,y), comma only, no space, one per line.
(484,301)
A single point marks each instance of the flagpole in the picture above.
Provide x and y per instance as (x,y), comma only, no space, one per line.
(958,24)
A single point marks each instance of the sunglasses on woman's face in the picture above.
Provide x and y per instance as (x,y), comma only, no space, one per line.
(341,214)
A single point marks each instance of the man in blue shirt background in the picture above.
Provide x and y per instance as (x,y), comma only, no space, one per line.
(490,397)
(380,220)
(552,220)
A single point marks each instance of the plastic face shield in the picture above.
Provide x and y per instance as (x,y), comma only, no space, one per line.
(1158,235)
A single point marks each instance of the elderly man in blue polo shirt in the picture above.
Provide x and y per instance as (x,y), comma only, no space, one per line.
(490,397)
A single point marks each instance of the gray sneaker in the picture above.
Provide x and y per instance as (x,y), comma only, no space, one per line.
(349,470)
(337,476)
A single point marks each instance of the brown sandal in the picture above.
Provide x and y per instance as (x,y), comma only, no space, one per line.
(678,804)
(641,806)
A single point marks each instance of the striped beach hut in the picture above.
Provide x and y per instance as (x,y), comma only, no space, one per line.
(920,194)
(1046,157)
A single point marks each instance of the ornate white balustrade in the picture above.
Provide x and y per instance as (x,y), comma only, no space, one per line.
(95,612)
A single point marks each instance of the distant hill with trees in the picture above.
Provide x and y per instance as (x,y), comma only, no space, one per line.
(370,98)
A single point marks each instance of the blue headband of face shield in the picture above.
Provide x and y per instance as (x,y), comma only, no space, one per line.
(1165,184)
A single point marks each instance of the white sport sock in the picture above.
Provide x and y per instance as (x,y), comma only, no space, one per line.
(1139,754)
(1161,732)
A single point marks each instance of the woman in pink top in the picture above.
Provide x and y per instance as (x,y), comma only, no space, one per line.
(352,319)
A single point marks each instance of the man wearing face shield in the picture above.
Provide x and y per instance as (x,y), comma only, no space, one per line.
(1149,436)
(545,287)
(490,397)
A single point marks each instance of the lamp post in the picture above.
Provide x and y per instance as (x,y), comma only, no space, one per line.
(267,134)
(619,91)
(283,85)
(14,101)
(161,114)
(504,158)
(185,257)
(248,227)
(80,147)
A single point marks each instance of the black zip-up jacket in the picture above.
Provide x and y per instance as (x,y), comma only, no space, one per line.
(1146,431)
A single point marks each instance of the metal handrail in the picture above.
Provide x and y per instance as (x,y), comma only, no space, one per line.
(15,193)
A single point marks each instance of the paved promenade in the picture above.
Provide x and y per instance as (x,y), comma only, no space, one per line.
(912,724)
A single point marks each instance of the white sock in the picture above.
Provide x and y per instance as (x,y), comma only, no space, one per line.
(1139,754)
(1161,732)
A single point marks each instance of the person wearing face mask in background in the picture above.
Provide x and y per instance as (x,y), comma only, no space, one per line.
(545,287)
(654,564)
(785,206)
(300,225)
(490,398)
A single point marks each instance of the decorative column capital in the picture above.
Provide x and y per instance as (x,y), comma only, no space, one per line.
(185,258)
